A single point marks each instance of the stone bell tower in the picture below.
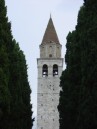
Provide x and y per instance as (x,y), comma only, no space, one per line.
(49,66)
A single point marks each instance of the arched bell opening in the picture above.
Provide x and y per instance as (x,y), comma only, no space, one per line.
(45,70)
(55,70)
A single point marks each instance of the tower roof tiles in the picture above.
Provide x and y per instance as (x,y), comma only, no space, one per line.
(50,34)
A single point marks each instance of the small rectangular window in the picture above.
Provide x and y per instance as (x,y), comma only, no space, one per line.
(50,55)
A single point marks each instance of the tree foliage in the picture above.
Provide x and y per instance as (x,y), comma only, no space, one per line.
(15,107)
(78,97)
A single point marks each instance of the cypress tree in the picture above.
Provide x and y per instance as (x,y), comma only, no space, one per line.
(78,98)
(4,65)
(21,108)
(15,107)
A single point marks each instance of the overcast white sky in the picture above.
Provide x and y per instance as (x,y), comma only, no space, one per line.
(29,19)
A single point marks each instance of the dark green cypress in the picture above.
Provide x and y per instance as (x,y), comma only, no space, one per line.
(4,66)
(15,107)
(20,91)
(78,98)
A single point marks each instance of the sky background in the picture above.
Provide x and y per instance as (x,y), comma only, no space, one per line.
(29,19)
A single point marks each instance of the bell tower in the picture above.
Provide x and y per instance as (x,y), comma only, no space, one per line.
(50,65)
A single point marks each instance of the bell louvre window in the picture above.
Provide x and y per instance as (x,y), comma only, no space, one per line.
(45,70)
(55,70)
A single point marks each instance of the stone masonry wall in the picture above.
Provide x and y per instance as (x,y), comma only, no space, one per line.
(48,95)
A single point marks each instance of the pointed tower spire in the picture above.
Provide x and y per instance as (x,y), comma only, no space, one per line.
(50,15)
(50,33)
